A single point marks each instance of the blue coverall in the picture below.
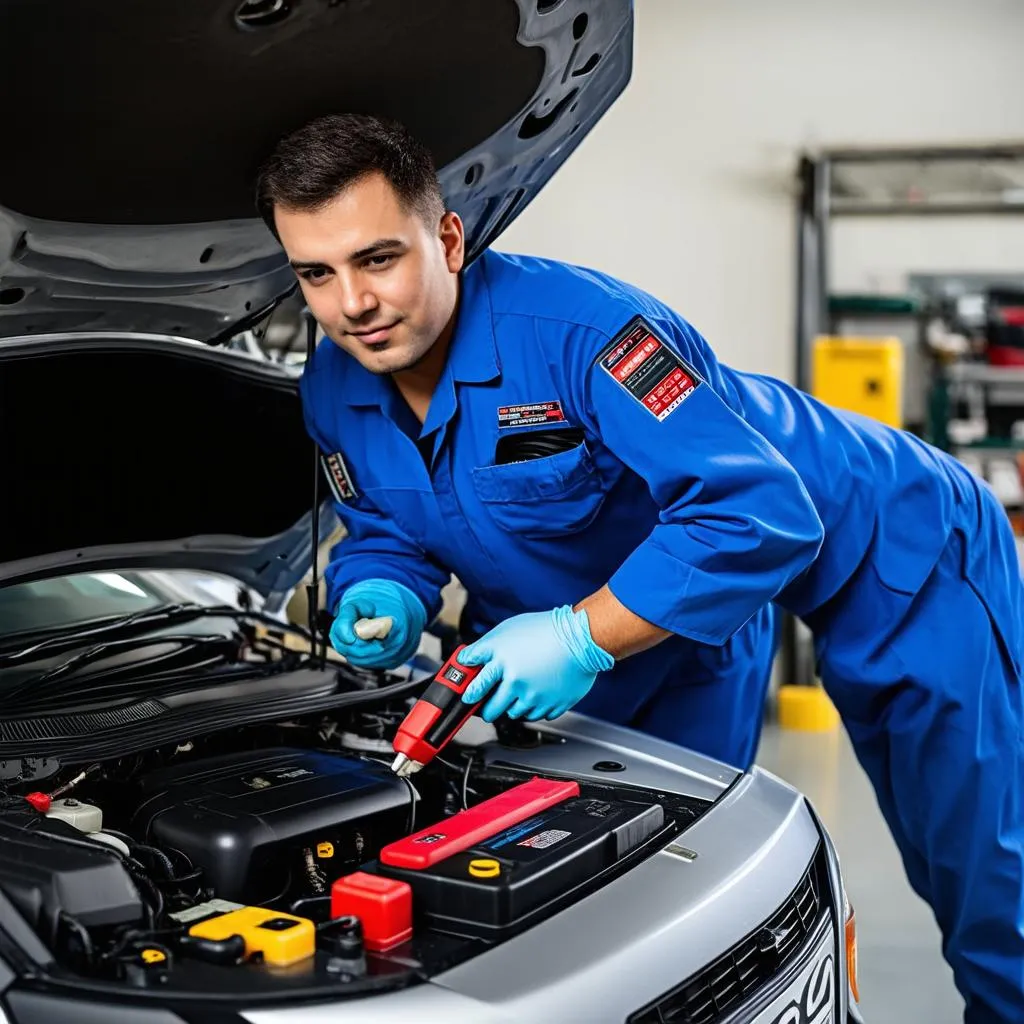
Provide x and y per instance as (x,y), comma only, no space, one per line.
(701,495)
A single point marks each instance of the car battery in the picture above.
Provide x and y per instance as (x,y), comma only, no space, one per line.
(506,880)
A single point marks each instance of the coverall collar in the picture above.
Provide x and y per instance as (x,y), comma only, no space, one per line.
(473,358)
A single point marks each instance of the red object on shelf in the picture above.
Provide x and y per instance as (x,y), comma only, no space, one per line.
(1012,316)
(383,906)
(1005,355)
(467,828)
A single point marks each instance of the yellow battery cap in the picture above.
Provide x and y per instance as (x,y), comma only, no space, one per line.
(484,867)
(325,851)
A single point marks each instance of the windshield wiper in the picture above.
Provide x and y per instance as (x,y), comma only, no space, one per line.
(183,643)
(165,615)
(71,638)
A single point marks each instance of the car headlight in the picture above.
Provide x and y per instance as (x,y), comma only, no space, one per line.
(850,919)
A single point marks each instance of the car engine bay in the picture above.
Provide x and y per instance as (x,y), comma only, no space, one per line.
(284,857)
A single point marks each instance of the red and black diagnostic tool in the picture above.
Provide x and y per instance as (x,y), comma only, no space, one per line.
(435,718)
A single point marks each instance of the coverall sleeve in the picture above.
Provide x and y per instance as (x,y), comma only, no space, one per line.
(376,547)
(736,523)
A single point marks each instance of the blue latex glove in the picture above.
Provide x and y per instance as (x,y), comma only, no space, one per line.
(371,599)
(542,663)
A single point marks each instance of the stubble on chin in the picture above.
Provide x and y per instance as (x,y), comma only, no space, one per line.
(385,363)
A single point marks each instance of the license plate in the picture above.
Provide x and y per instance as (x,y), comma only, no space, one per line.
(810,997)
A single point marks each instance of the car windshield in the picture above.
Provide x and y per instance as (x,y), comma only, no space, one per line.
(55,629)
(74,601)
(70,602)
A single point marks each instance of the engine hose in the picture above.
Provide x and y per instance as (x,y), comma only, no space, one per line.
(305,903)
(141,878)
(465,782)
(185,859)
(85,940)
(138,935)
(191,876)
(157,855)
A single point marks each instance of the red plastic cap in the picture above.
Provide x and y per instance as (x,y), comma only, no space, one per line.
(383,905)
(40,801)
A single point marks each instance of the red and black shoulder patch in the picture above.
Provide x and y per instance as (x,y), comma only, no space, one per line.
(641,363)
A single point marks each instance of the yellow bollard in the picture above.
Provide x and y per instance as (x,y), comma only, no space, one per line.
(806,709)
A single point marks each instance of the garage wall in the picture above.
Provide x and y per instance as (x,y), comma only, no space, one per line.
(685,186)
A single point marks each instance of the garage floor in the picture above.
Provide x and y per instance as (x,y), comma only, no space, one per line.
(902,974)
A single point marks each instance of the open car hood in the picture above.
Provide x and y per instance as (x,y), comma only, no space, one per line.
(126,188)
(141,452)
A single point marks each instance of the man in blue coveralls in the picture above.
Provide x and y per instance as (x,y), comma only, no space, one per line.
(623,510)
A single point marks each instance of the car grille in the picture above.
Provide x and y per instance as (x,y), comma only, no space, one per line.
(724,984)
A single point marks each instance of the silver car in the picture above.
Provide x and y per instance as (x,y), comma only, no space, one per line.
(192,786)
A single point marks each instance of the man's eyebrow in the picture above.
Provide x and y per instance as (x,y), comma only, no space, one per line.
(375,247)
(368,250)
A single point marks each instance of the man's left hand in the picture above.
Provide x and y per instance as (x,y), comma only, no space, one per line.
(538,664)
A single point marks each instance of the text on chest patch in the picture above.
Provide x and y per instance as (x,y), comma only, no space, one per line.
(528,415)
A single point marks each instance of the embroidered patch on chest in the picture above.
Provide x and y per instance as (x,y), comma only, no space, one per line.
(338,477)
(528,415)
(642,364)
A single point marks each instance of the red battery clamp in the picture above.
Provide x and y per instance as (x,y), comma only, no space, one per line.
(436,717)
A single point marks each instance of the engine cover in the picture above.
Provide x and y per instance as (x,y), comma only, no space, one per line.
(245,818)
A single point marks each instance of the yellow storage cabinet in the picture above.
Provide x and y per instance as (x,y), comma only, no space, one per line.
(863,375)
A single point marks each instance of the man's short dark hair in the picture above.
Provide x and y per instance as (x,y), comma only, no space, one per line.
(316,163)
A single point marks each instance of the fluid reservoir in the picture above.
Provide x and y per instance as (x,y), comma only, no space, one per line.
(85,817)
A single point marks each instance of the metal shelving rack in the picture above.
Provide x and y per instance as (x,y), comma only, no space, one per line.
(943,181)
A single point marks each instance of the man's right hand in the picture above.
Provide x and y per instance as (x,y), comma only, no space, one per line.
(373,599)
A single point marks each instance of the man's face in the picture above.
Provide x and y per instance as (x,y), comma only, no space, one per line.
(381,282)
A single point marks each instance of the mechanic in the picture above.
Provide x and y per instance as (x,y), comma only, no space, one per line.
(623,510)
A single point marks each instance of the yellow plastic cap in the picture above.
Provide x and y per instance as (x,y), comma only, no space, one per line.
(484,868)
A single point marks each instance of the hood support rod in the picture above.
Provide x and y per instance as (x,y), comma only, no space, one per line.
(313,587)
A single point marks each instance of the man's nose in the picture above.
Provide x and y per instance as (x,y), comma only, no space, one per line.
(356,299)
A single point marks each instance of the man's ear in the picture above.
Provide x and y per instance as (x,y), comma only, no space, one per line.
(453,238)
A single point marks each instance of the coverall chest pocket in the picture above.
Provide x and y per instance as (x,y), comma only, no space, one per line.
(547,497)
